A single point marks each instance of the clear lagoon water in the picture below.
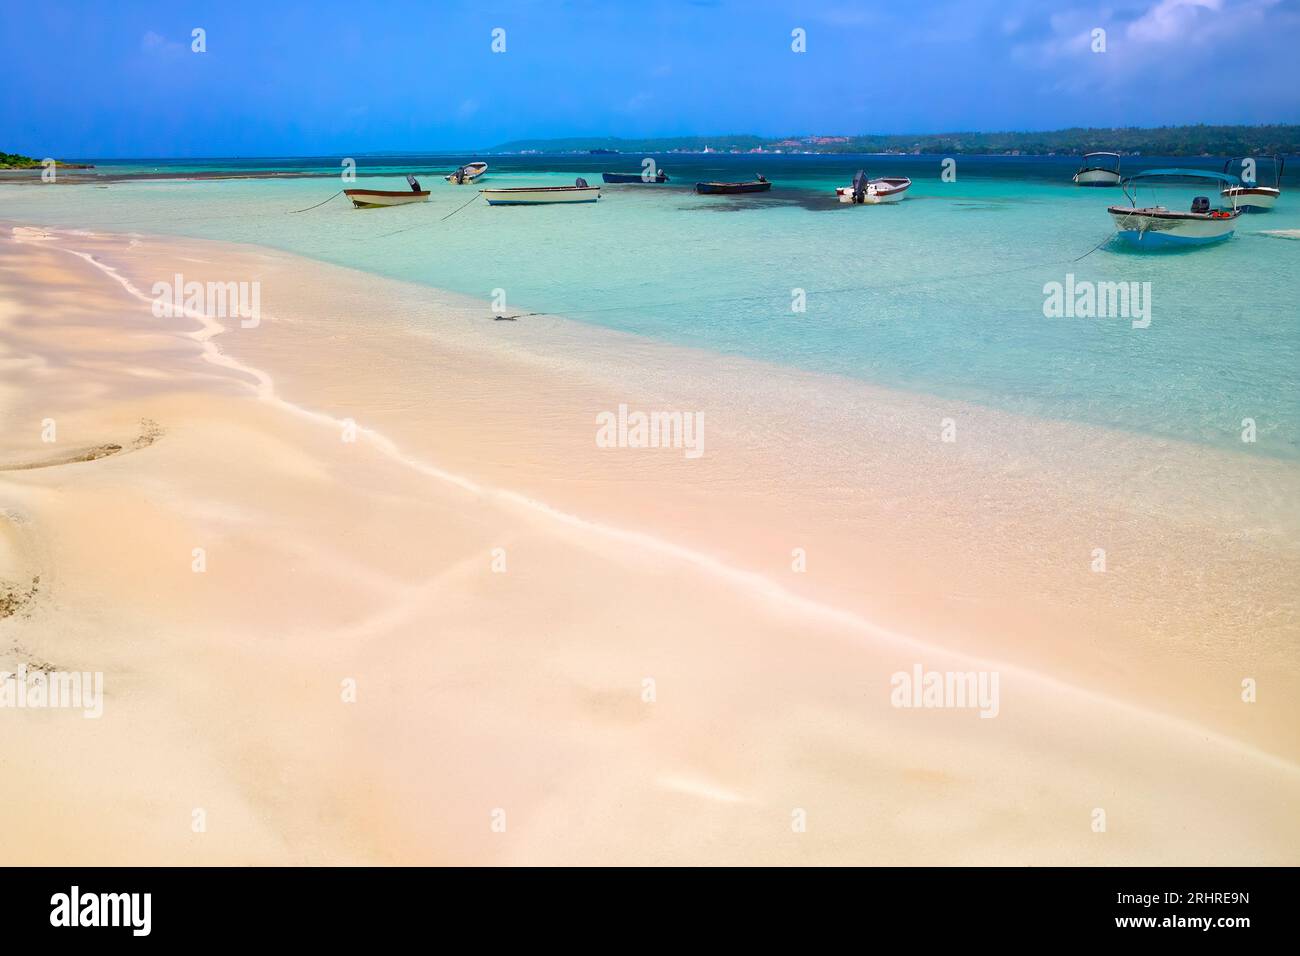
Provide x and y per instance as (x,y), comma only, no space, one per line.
(942,293)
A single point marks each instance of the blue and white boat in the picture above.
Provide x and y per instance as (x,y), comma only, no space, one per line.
(1158,227)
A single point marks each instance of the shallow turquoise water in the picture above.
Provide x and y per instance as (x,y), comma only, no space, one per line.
(942,293)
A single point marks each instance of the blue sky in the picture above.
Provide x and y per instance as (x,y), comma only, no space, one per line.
(326,77)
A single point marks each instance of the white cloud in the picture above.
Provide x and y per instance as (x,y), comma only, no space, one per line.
(1171,20)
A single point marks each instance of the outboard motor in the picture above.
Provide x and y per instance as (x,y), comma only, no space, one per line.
(458,177)
(581,183)
(1201,204)
(860,186)
(414,183)
(760,177)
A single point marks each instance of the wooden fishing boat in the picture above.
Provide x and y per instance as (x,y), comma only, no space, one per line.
(372,198)
(579,192)
(759,185)
(1157,227)
(660,177)
(873,191)
(470,172)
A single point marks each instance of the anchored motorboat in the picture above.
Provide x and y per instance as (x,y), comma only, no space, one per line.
(759,185)
(466,174)
(1098,172)
(659,177)
(371,198)
(1152,227)
(870,192)
(541,195)
(1252,197)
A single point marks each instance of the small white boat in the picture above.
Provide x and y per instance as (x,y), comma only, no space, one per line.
(1098,174)
(873,191)
(1252,197)
(469,173)
(1158,227)
(371,198)
(541,195)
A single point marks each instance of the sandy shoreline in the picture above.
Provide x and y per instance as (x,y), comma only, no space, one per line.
(522,691)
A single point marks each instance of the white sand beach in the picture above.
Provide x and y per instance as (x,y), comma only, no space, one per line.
(569,654)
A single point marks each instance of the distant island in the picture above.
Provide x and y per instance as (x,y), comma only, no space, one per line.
(18,161)
(1159,141)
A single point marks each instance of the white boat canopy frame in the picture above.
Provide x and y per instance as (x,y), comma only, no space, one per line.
(1174,173)
(1279,165)
(1087,156)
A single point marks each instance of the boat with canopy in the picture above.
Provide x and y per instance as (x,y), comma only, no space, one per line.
(1156,227)
(1098,173)
(1252,197)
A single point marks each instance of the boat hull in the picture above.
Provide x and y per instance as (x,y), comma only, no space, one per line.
(473,172)
(374,198)
(731,189)
(1252,198)
(1164,229)
(878,191)
(540,195)
(634,178)
(1096,177)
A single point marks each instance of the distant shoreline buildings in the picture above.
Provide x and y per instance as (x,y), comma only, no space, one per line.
(1240,140)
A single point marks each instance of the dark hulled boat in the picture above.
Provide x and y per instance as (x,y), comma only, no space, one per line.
(660,177)
(759,185)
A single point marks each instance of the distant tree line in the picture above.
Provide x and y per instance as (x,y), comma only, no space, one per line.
(17,161)
(1200,140)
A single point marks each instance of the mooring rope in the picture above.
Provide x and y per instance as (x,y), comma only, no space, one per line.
(835,291)
(1113,234)
(317,206)
(407,229)
(457,209)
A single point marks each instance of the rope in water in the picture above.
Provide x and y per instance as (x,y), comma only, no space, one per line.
(419,224)
(834,291)
(457,209)
(317,206)
(1113,234)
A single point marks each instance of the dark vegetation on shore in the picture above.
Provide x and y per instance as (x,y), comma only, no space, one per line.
(1198,140)
(18,161)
